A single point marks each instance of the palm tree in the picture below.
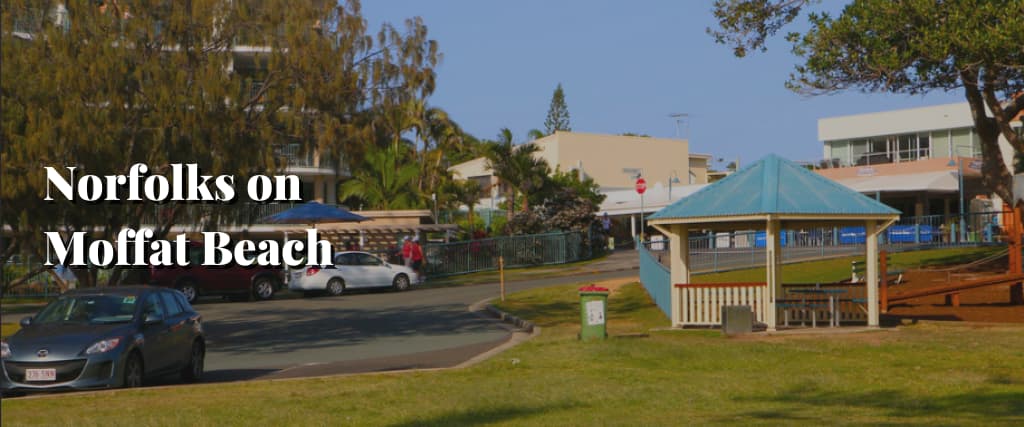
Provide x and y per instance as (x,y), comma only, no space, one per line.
(384,182)
(532,172)
(516,167)
(535,134)
(467,193)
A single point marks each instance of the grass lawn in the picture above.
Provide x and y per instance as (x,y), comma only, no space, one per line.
(927,374)
(831,270)
(512,274)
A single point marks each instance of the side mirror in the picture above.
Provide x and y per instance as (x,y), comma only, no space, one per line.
(25,321)
(153,318)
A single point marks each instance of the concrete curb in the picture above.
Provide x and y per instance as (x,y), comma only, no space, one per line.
(519,323)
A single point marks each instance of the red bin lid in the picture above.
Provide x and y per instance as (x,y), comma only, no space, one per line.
(593,288)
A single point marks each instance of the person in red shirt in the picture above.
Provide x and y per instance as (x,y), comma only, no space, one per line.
(407,251)
(417,259)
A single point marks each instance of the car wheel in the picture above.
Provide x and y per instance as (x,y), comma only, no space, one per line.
(194,369)
(190,290)
(133,371)
(263,289)
(335,287)
(401,282)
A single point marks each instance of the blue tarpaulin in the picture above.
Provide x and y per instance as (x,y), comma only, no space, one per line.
(759,239)
(851,235)
(905,233)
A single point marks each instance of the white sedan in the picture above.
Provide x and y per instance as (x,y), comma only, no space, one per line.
(351,270)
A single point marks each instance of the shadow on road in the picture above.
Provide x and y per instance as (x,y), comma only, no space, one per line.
(266,329)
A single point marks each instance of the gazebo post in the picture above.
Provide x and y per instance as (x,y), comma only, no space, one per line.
(679,251)
(871,241)
(772,250)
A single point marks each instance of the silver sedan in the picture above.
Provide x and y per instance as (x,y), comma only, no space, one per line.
(351,270)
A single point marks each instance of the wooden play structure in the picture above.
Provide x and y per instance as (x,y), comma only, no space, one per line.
(1014,275)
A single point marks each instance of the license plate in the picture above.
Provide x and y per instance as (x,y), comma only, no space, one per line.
(40,374)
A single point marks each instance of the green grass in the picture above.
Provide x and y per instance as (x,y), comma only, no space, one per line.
(927,374)
(832,270)
(512,274)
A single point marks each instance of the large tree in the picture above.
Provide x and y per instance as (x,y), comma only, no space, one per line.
(386,180)
(519,171)
(221,83)
(558,113)
(903,46)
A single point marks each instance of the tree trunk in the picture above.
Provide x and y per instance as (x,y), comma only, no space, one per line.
(994,174)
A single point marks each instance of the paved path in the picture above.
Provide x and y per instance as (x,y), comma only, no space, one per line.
(421,328)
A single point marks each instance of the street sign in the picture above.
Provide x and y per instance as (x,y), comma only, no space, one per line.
(641,186)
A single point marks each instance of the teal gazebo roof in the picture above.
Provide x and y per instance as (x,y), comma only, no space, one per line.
(773,187)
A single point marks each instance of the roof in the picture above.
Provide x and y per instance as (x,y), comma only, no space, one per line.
(933,182)
(625,201)
(775,186)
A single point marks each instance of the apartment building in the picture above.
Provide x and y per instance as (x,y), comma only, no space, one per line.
(910,159)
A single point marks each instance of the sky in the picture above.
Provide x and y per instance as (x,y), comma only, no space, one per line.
(624,67)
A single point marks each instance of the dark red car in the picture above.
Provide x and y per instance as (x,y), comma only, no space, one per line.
(233,281)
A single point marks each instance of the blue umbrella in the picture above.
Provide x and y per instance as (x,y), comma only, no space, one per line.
(314,213)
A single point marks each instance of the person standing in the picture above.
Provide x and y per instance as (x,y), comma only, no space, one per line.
(407,251)
(417,259)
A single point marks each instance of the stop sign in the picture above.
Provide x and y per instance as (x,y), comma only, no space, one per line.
(641,186)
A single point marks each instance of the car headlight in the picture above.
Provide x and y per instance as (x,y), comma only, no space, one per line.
(5,350)
(103,346)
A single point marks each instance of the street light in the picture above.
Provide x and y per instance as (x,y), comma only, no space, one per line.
(959,163)
(674,179)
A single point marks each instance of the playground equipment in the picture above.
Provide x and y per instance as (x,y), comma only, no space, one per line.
(1013,277)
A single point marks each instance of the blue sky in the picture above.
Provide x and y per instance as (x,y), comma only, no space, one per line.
(624,67)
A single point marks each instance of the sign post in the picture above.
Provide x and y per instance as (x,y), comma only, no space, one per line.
(641,187)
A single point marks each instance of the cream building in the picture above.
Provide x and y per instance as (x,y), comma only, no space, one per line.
(613,161)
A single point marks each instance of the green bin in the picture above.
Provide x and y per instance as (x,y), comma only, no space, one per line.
(593,312)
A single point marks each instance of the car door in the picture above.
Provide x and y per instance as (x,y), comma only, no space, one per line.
(376,272)
(180,344)
(158,341)
(211,279)
(351,271)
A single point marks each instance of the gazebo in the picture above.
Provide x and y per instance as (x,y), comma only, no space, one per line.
(772,194)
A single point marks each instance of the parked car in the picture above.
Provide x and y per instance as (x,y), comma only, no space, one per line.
(105,337)
(351,270)
(232,280)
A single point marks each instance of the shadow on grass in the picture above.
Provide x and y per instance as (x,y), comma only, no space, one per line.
(994,407)
(473,417)
(949,260)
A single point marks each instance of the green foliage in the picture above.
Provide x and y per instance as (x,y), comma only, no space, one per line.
(558,113)
(905,46)
(165,84)
(385,182)
(517,168)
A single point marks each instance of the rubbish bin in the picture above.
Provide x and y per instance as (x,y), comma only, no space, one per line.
(593,312)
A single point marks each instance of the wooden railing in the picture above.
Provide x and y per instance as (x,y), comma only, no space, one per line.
(701,304)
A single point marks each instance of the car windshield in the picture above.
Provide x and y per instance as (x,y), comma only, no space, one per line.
(90,309)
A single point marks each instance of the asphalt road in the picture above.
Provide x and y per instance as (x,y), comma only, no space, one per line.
(357,332)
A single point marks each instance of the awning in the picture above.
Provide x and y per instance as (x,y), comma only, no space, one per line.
(934,182)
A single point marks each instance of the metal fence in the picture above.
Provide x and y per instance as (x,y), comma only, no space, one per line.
(445,259)
(656,278)
(713,252)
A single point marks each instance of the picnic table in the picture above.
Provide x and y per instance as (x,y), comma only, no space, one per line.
(833,307)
